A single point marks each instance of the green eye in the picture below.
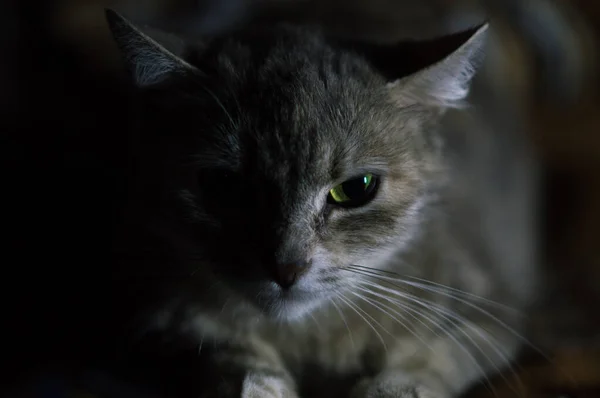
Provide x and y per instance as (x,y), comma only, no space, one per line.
(354,192)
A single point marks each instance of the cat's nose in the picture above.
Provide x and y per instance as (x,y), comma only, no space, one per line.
(287,274)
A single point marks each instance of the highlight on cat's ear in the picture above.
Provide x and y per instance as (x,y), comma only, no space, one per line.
(148,61)
(446,83)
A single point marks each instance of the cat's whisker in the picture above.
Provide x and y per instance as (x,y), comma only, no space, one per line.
(366,300)
(200,345)
(379,305)
(358,310)
(234,124)
(316,322)
(224,305)
(433,287)
(339,310)
(442,289)
(403,306)
(522,338)
(492,342)
(450,316)
(453,317)
(411,308)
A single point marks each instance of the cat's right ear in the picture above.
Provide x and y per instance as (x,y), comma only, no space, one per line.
(148,61)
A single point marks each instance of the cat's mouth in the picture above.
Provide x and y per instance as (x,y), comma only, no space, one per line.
(272,299)
(288,304)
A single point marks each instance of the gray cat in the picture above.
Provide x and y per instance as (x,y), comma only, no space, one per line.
(330,234)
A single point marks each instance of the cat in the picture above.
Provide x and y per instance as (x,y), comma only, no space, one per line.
(318,235)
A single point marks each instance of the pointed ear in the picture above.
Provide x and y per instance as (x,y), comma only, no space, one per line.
(148,61)
(444,84)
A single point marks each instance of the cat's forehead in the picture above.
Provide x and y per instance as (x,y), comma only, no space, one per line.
(298,102)
(288,95)
(291,109)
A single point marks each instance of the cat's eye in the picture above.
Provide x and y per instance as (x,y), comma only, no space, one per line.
(354,192)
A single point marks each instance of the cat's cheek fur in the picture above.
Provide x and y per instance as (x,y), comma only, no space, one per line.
(384,246)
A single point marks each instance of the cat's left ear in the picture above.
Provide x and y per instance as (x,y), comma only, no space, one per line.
(446,83)
(148,60)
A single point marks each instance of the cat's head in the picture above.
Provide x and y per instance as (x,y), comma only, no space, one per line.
(271,159)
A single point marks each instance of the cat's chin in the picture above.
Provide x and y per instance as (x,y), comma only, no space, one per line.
(291,311)
(290,307)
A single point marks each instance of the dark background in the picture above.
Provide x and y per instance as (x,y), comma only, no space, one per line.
(64,102)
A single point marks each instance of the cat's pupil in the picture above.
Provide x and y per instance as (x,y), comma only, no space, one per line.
(354,192)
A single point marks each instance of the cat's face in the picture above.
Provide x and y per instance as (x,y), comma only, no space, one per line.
(275,162)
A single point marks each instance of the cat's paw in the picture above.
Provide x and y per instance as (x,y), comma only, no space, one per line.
(392,387)
(266,386)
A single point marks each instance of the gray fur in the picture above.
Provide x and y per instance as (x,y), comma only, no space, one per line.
(241,141)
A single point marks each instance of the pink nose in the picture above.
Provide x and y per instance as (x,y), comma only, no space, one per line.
(288,274)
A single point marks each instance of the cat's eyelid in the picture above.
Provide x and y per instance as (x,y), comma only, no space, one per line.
(375,169)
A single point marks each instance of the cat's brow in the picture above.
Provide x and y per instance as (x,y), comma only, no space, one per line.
(376,166)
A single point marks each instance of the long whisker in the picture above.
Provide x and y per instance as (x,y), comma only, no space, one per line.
(405,307)
(477,308)
(201,343)
(356,309)
(366,300)
(447,332)
(431,286)
(316,323)
(452,317)
(455,319)
(220,104)
(345,322)
(414,298)
(381,306)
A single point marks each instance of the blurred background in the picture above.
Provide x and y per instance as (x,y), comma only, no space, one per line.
(63,100)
